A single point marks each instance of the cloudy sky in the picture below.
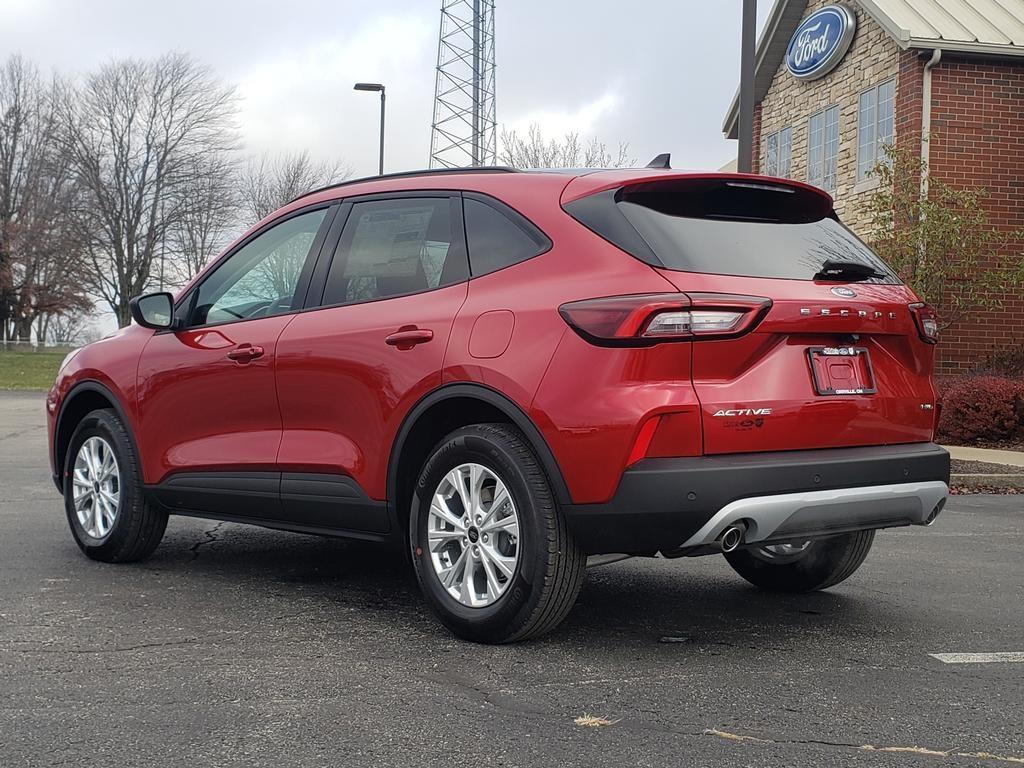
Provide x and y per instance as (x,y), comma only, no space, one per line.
(657,74)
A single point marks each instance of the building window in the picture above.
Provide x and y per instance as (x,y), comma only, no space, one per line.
(874,127)
(823,149)
(778,153)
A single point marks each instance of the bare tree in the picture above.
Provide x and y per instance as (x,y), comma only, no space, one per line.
(65,329)
(945,244)
(536,151)
(139,135)
(270,181)
(228,199)
(39,266)
(209,217)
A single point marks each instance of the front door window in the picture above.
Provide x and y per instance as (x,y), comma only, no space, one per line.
(258,280)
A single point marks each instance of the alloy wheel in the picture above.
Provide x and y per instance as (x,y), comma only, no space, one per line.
(96,481)
(473,535)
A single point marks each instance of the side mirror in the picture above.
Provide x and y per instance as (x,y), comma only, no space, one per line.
(153,310)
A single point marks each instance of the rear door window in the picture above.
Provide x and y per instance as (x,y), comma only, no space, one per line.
(394,248)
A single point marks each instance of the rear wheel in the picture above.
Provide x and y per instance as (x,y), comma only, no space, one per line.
(492,554)
(803,566)
(106,509)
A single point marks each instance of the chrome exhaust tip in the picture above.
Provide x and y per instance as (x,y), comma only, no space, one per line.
(935,512)
(732,537)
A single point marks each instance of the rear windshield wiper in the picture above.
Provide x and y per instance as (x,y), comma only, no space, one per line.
(852,271)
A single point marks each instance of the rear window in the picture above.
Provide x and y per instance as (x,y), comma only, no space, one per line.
(733,227)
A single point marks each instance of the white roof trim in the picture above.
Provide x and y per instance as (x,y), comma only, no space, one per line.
(981,49)
(971,26)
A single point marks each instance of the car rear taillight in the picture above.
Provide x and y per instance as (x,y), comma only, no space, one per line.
(927,321)
(652,318)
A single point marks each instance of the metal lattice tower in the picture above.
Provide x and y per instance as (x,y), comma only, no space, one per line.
(464,131)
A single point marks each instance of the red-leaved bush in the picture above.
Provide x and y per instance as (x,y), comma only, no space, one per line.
(982,408)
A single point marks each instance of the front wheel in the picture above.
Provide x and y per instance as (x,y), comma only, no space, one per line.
(107,511)
(804,566)
(493,556)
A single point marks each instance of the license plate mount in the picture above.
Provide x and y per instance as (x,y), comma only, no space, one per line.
(842,371)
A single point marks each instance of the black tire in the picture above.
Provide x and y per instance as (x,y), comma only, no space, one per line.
(138,525)
(550,568)
(824,563)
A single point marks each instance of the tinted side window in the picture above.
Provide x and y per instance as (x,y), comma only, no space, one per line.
(392,248)
(495,241)
(260,278)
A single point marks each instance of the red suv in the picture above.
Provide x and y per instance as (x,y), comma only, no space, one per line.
(506,373)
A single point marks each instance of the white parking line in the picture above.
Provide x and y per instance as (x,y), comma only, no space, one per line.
(978,658)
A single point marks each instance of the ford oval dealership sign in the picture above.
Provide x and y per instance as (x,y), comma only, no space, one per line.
(820,42)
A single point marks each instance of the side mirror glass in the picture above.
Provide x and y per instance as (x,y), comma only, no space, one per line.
(153,310)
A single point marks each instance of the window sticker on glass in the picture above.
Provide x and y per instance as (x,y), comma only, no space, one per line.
(388,243)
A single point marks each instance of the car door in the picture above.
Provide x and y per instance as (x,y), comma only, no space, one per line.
(382,301)
(210,422)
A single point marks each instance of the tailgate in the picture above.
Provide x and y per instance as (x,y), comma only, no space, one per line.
(844,354)
(819,371)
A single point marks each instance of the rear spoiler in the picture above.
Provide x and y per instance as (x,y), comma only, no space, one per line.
(592,183)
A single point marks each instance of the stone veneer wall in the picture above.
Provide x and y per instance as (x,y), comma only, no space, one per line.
(873,58)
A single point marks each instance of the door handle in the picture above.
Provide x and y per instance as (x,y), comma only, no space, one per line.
(407,338)
(244,353)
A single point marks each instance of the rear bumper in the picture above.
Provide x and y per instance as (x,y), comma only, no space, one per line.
(669,504)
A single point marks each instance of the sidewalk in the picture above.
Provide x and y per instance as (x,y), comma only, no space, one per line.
(984,470)
(992,456)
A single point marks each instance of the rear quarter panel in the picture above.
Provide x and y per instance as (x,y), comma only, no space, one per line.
(588,402)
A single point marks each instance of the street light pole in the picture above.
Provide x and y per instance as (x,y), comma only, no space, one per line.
(744,158)
(381,155)
(376,87)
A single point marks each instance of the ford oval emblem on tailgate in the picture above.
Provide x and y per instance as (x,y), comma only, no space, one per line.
(840,290)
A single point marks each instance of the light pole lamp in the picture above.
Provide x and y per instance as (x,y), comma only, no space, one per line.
(376,87)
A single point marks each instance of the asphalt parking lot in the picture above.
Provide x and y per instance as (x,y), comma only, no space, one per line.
(242,646)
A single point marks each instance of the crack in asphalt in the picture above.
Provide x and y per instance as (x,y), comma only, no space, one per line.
(117,649)
(211,536)
(760,740)
(865,747)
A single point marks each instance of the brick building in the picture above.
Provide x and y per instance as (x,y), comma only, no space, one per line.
(906,71)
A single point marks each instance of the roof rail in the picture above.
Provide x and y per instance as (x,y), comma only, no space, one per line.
(404,174)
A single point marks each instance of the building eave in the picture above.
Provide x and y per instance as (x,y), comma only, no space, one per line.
(900,35)
(784,18)
(990,50)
